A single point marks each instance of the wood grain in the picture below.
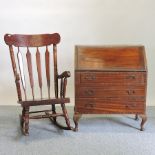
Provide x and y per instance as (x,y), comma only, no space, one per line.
(39,40)
(129,58)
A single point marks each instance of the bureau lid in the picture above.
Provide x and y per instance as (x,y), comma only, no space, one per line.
(112,58)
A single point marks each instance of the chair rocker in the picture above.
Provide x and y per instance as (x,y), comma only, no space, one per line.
(32,44)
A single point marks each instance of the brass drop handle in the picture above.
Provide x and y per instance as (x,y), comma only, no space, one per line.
(90,77)
(91,105)
(127,106)
(130,92)
(89,92)
(134,105)
(130,106)
(131,77)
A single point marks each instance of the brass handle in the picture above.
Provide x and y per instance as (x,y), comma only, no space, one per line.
(90,77)
(130,106)
(130,92)
(89,92)
(131,77)
(91,105)
(127,106)
(134,105)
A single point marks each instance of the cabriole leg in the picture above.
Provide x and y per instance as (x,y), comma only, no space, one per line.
(136,117)
(144,119)
(76,118)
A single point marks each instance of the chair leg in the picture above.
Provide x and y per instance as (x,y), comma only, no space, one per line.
(54,112)
(76,119)
(66,115)
(144,119)
(22,118)
(25,125)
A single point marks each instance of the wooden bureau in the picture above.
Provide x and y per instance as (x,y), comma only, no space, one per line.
(110,80)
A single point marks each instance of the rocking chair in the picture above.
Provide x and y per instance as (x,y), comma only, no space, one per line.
(29,43)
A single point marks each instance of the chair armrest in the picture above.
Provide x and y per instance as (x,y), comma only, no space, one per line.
(65,74)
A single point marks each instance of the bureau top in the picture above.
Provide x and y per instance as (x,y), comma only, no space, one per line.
(110,58)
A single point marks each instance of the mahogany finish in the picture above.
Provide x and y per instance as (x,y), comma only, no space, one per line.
(110,80)
(17,43)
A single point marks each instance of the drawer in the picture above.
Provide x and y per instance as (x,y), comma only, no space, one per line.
(100,106)
(121,99)
(98,92)
(99,78)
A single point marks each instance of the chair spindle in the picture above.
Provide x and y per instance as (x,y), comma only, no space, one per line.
(29,65)
(21,69)
(47,61)
(13,60)
(38,61)
(64,89)
(55,71)
(61,88)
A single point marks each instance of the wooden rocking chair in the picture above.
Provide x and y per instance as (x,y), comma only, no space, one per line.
(17,43)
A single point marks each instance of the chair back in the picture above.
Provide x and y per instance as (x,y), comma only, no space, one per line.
(22,48)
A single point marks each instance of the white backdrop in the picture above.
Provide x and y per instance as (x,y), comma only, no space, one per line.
(91,22)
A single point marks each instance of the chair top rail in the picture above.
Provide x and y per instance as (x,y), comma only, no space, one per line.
(39,40)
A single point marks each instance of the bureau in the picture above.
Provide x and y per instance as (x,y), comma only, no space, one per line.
(110,80)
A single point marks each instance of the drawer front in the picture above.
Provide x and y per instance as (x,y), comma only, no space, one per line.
(127,78)
(84,92)
(116,99)
(99,106)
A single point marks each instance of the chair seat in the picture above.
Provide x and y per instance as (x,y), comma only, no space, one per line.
(44,102)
